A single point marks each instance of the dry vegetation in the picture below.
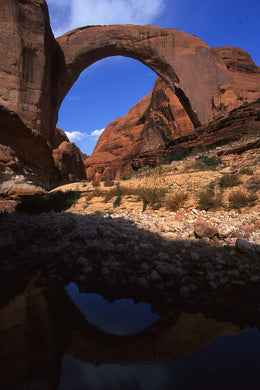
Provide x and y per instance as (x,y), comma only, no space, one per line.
(203,181)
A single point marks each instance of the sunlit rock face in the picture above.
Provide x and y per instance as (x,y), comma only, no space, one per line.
(149,125)
(37,71)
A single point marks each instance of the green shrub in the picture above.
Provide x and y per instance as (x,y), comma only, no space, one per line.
(176,154)
(144,171)
(246,171)
(95,184)
(144,205)
(118,196)
(209,162)
(207,200)
(40,203)
(229,180)
(177,200)
(108,183)
(126,177)
(238,199)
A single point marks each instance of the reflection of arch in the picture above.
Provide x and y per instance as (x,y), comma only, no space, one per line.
(40,324)
(183,61)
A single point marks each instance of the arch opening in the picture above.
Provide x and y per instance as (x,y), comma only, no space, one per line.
(105,91)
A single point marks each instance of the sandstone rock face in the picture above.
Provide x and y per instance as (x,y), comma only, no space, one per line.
(27,161)
(124,146)
(243,80)
(242,121)
(150,125)
(27,156)
(67,158)
(59,137)
(183,61)
(37,71)
(27,52)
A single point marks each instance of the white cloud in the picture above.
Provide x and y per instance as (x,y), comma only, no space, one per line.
(96,133)
(75,136)
(93,12)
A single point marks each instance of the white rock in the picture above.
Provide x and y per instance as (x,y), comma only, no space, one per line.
(255,278)
(194,256)
(239,283)
(186,243)
(144,266)
(82,278)
(163,256)
(155,276)
(213,284)
(223,280)
(105,271)
(120,248)
(233,274)
(244,246)
(82,261)
(107,246)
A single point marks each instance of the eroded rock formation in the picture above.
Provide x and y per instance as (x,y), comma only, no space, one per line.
(68,160)
(27,161)
(134,141)
(150,125)
(37,71)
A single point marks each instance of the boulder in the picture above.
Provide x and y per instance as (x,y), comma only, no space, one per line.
(204,229)
(67,158)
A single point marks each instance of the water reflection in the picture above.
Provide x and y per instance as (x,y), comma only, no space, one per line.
(45,337)
(120,317)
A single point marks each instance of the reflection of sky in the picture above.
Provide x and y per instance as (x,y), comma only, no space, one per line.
(119,317)
(229,363)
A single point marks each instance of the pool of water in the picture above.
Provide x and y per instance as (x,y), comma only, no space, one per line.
(55,337)
(120,317)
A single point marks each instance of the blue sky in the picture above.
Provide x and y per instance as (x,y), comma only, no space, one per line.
(109,88)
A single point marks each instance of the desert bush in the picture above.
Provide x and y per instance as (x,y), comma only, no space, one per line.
(209,162)
(108,183)
(96,184)
(238,199)
(126,177)
(208,200)
(229,180)
(118,196)
(152,196)
(41,203)
(176,154)
(246,171)
(177,200)
(144,171)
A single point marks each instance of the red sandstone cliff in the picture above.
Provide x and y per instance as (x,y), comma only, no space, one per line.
(150,125)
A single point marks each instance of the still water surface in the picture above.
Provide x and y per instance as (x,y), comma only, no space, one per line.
(57,337)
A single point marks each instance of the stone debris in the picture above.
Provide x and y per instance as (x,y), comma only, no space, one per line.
(130,250)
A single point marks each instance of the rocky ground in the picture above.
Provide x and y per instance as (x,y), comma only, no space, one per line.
(190,255)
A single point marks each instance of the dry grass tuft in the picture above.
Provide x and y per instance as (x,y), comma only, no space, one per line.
(208,200)
(238,199)
(175,201)
(229,180)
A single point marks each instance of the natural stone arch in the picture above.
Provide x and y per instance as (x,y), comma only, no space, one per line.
(183,61)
